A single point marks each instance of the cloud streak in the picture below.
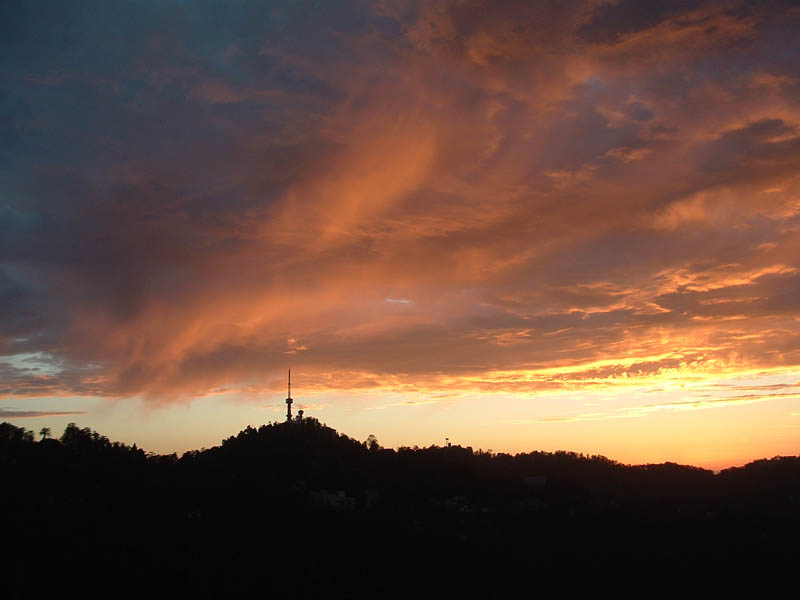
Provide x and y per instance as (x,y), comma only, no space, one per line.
(24,414)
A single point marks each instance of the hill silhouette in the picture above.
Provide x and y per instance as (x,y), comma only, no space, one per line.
(298,510)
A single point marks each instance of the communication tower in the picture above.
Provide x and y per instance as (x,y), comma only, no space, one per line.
(289,400)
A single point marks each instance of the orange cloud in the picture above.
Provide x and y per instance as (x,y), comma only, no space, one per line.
(482,196)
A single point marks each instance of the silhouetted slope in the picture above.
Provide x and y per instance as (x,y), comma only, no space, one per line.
(299,510)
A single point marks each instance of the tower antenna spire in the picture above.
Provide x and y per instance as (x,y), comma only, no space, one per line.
(289,400)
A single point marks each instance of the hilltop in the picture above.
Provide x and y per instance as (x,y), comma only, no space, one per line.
(299,509)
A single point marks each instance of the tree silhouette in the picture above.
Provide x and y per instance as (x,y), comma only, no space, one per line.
(11,433)
(44,432)
(90,499)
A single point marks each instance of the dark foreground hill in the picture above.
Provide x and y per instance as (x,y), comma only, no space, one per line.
(297,510)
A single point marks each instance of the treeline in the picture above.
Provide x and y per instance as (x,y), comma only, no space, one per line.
(296,509)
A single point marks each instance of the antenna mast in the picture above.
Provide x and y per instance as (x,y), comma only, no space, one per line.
(289,400)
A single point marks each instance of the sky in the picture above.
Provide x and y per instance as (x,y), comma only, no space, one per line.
(520,226)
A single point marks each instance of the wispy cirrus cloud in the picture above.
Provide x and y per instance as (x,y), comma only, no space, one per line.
(703,401)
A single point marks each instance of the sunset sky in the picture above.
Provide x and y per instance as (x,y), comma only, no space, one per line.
(520,225)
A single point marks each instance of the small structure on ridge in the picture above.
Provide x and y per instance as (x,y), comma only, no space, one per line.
(289,400)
